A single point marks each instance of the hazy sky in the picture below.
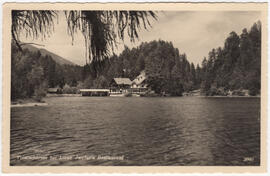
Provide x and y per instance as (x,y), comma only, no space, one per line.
(192,32)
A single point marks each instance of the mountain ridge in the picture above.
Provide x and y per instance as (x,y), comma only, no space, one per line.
(58,59)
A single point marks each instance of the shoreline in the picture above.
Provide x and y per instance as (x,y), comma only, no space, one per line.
(237,96)
(27,102)
(28,105)
(34,104)
(63,95)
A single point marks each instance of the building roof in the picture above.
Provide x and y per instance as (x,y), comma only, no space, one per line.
(125,81)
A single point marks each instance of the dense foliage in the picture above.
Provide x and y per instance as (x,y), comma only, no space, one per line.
(32,74)
(167,71)
(236,66)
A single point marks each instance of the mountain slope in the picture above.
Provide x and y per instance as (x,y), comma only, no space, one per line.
(58,59)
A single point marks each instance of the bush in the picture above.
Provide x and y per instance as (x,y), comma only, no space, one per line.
(70,90)
(216,91)
(238,93)
(213,91)
(39,94)
(150,94)
(253,92)
(88,83)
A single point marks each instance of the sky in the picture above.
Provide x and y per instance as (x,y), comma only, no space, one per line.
(194,33)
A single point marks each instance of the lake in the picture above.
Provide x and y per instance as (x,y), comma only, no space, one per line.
(179,131)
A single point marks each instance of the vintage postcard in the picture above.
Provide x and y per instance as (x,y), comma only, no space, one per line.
(134,87)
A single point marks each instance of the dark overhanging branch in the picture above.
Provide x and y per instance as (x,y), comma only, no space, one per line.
(16,41)
(100,36)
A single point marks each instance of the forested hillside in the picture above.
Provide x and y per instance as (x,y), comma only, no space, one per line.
(232,68)
(167,70)
(32,73)
(236,66)
(58,59)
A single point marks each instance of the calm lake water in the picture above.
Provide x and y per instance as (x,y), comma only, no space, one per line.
(137,131)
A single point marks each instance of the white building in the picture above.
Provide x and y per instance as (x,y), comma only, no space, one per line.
(139,81)
(139,84)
